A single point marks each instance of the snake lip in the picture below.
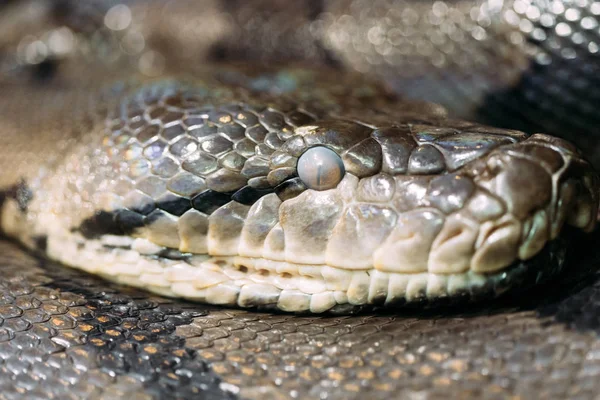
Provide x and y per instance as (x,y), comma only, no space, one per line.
(258,283)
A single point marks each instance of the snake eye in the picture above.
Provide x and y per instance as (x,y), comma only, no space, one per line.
(320,168)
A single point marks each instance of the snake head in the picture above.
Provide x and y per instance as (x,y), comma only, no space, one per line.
(430,199)
(227,196)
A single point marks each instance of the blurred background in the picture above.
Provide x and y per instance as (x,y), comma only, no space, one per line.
(523,64)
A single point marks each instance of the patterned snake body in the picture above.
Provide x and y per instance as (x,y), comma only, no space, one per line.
(133,147)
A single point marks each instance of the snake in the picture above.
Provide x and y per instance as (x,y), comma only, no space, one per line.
(314,158)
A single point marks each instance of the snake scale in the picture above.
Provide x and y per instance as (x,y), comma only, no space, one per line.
(284,157)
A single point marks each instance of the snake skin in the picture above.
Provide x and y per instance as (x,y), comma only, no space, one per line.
(431,208)
(542,344)
(66,334)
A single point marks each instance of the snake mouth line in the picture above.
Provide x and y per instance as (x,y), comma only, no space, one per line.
(260,283)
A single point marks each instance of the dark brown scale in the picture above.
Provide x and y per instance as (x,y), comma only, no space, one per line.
(210,200)
(298,118)
(136,123)
(148,133)
(245,118)
(290,188)
(155,113)
(426,160)
(364,159)
(273,141)
(256,133)
(271,120)
(171,116)
(172,131)
(128,221)
(245,147)
(396,145)
(204,130)
(219,117)
(248,195)
(173,204)
(193,121)
(232,131)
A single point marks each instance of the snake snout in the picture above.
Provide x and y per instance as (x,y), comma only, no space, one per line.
(497,209)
